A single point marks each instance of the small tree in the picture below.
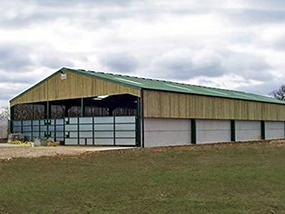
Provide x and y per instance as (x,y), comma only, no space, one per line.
(279,93)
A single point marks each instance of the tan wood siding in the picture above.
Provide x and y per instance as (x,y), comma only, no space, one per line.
(159,104)
(75,86)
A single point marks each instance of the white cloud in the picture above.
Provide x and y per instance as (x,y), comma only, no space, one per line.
(224,43)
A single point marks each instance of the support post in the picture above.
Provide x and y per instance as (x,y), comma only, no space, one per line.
(78,131)
(193,131)
(263,130)
(67,107)
(82,107)
(233,131)
(138,123)
(142,118)
(12,117)
(54,128)
(47,110)
(32,130)
(48,114)
(64,131)
(93,133)
(114,129)
(39,128)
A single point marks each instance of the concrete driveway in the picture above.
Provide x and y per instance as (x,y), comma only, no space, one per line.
(6,145)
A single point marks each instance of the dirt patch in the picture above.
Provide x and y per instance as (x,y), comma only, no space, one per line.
(8,153)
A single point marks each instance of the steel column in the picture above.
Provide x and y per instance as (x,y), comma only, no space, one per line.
(12,117)
(78,131)
(138,123)
(142,117)
(193,131)
(47,110)
(114,129)
(82,108)
(233,131)
(263,130)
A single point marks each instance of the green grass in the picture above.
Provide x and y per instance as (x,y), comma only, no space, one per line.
(237,178)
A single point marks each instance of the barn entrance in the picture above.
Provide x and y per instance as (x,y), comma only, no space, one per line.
(102,120)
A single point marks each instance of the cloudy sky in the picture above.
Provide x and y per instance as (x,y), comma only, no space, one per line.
(220,43)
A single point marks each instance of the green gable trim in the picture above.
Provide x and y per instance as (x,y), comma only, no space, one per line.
(67,70)
(161,85)
(37,84)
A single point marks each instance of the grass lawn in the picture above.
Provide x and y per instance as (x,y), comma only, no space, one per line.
(233,178)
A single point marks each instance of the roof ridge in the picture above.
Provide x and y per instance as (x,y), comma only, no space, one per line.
(169,81)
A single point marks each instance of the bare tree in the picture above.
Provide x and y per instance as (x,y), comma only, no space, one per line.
(4,118)
(279,93)
(4,113)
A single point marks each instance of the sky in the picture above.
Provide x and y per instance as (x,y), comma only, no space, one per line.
(229,44)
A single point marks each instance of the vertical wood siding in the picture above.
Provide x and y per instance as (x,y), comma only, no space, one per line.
(75,86)
(159,104)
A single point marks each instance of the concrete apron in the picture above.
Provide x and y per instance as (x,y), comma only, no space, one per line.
(94,149)
(77,148)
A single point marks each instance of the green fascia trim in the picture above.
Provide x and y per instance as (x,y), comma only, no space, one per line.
(72,71)
(37,84)
(161,85)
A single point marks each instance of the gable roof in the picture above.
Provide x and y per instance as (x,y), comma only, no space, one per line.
(162,85)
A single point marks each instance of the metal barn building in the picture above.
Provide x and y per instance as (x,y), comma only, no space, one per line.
(79,107)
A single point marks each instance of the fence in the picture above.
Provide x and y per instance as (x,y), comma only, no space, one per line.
(112,131)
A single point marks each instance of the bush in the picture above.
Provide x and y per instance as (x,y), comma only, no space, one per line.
(22,143)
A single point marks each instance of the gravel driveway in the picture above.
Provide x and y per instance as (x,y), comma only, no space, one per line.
(8,151)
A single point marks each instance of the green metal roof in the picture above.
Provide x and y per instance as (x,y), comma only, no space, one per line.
(162,85)
(153,84)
